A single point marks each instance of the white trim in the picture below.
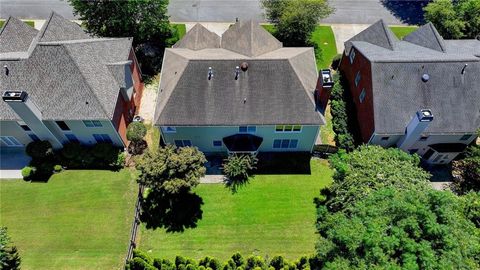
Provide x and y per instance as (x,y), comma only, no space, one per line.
(116,132)
(315,139)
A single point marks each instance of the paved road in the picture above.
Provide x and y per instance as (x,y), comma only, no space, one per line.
(347,11)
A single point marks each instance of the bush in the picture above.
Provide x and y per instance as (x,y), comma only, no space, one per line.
(40,149)
(28,171)
(238,167)
(336,61)
(136,131)
(105,155)
(57,168)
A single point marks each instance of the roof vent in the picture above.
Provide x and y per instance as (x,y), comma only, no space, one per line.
(244,66)
(425,77)
(463,69)
(237,72)
(6,69)
(210,73)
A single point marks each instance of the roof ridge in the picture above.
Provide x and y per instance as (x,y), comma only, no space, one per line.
(5,25)
(387,34)
(305,87)
(437,36)
(84,79)
(45,26)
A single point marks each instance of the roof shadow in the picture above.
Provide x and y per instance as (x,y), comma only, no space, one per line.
(283,163)
(407,11)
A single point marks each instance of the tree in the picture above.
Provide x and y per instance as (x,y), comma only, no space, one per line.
(136,131)
(9,257)
(399,229)
(466,172)
(455,19)
(237,169)
(369,168)
(295,20)
(144,20)
(171,170)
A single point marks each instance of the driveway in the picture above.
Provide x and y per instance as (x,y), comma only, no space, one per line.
(344,32)
(12,160)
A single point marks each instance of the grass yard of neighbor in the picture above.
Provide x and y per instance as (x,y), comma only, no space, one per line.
(181,29)
(326,131)
(271,215)
(31,23)
(402,31)
(78,220)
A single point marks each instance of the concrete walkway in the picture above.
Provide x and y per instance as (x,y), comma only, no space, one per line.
(12,160)
(217,28)
(212,179)
(149,100)
(344,32)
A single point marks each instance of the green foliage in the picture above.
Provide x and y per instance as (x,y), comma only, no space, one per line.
(295,20)
(136,131)
(171,170)
(342,109)
(369,168)
(57,168)
(466,172)
(39,149)
(394,228)
(336,61)
(238,167)
(28,171)
(455,19)
(9,257)
(471,207)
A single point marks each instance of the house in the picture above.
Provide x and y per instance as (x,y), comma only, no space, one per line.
(63,85)
(421,94)
(241,92)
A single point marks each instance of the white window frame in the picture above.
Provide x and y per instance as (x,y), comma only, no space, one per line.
(351,56)
(292,131)
(165,129)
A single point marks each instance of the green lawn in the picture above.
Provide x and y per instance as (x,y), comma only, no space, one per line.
(31,23)
(402,31)
(181,30)
(272,215)
(326,131)
(324,38)
(78,220)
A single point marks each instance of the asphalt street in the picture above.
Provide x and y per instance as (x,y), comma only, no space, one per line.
(347,11)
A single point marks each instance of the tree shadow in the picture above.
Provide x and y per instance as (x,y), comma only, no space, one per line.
(175,213)
(235,184)
(407,11)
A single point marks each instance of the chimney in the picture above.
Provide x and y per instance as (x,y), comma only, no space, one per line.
(324,88)
(23,106)
(210,73)
(414,130)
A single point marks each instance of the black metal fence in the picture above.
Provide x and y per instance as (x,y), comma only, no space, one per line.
(136,222)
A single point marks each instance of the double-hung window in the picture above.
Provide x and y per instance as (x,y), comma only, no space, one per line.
(217,143)
(10,141)
(183,143)
(362,95)
(288,128)
(357,78)
(71,138)
(63,126)
(247,129)
(285,143)
(352,55)
(23,126)
(92,123)
(102,138)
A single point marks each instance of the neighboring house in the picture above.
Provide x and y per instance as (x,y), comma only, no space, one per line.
(62,85)
(242,92)
(421,94)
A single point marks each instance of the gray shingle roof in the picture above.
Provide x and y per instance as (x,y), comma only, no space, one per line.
(427,36)
(56,28)
(277,88)
(16,36)
(199,38)
(398,90)
(67,79)
(378,34)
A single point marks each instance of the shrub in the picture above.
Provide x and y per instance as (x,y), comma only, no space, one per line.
(255,261)
(336,61)
(136,131)
(238,167)
(57,168)
(28,171)
(71,150)
(39,149)
(277,262)
(120,160)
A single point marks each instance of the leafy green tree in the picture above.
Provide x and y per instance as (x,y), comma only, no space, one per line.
(393,228)
(455,19)
(295,20)
(9,257)
(171,170)
(466,172)
(136,131)
(369,168)
(237,169)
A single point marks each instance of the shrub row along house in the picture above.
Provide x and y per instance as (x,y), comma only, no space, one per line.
(421,94)
(241,92)
(62,85)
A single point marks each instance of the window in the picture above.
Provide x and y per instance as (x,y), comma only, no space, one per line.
(352,55)
(288,128)
(23,126)
(62,125)
(423,138)
(10,141)
(183,143)
(247,129)
(34,137)
(169,129)
(285,143)
(92,123)
(385,138)
(357,78)
(362,95)
(71,138)
(102,138)
(465,137)
(242,129)
(217,143)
